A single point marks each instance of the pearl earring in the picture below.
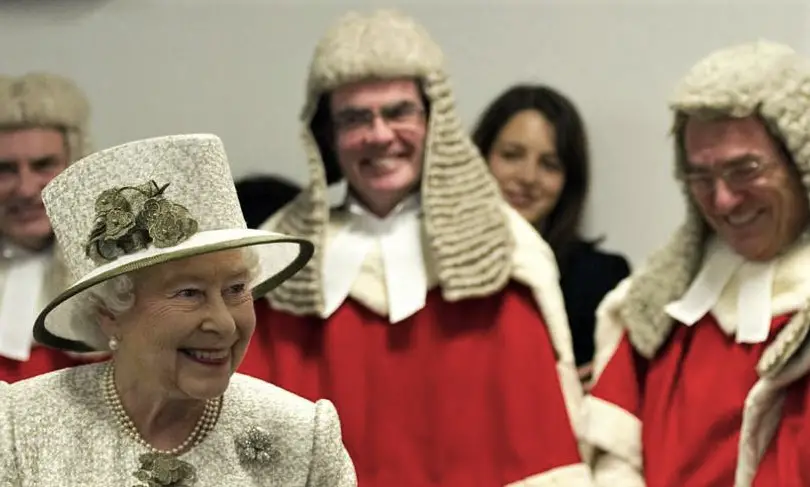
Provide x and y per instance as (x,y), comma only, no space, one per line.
(113,344)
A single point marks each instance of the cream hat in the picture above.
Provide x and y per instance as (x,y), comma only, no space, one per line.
(144,203)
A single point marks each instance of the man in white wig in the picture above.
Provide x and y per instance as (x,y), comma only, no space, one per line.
(431,314)
(43,128)
(702,357)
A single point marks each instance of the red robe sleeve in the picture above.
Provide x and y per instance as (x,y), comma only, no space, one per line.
(786,461)
(613,406)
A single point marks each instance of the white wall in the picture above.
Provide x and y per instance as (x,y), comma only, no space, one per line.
(237,68)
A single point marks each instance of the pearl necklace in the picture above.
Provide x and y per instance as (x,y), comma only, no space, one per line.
(204,425)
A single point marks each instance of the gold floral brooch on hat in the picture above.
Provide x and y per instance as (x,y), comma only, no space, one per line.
(130,218)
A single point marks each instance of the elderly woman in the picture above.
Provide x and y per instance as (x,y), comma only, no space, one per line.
(164,273)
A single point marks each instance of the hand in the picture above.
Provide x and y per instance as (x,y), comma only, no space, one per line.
(585,373)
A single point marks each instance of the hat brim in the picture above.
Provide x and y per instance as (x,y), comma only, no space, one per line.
(280,256)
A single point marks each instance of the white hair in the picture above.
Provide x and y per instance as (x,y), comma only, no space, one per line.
(117,295)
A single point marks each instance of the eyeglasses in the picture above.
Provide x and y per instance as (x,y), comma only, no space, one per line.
(400,115)
(736,174)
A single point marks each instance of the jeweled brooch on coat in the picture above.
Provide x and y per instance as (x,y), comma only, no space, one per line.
(256,447)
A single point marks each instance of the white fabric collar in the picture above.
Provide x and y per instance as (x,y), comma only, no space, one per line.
(21,299)
(743,295)
(398,238)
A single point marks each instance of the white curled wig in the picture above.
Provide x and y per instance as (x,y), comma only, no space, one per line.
(51,101)
(468,235)
(763,79)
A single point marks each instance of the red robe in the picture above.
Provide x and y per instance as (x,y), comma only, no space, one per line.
(460,394)
(690,400)
(41,361)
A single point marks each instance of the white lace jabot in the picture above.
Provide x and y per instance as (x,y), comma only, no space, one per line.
(21,300)
(742,295)
(398,238)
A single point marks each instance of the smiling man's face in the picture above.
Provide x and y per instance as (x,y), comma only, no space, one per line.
(29,159)
(746,188)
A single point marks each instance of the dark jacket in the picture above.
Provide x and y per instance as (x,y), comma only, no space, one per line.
(587,275)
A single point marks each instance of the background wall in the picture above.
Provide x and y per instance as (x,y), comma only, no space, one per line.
(237,68)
